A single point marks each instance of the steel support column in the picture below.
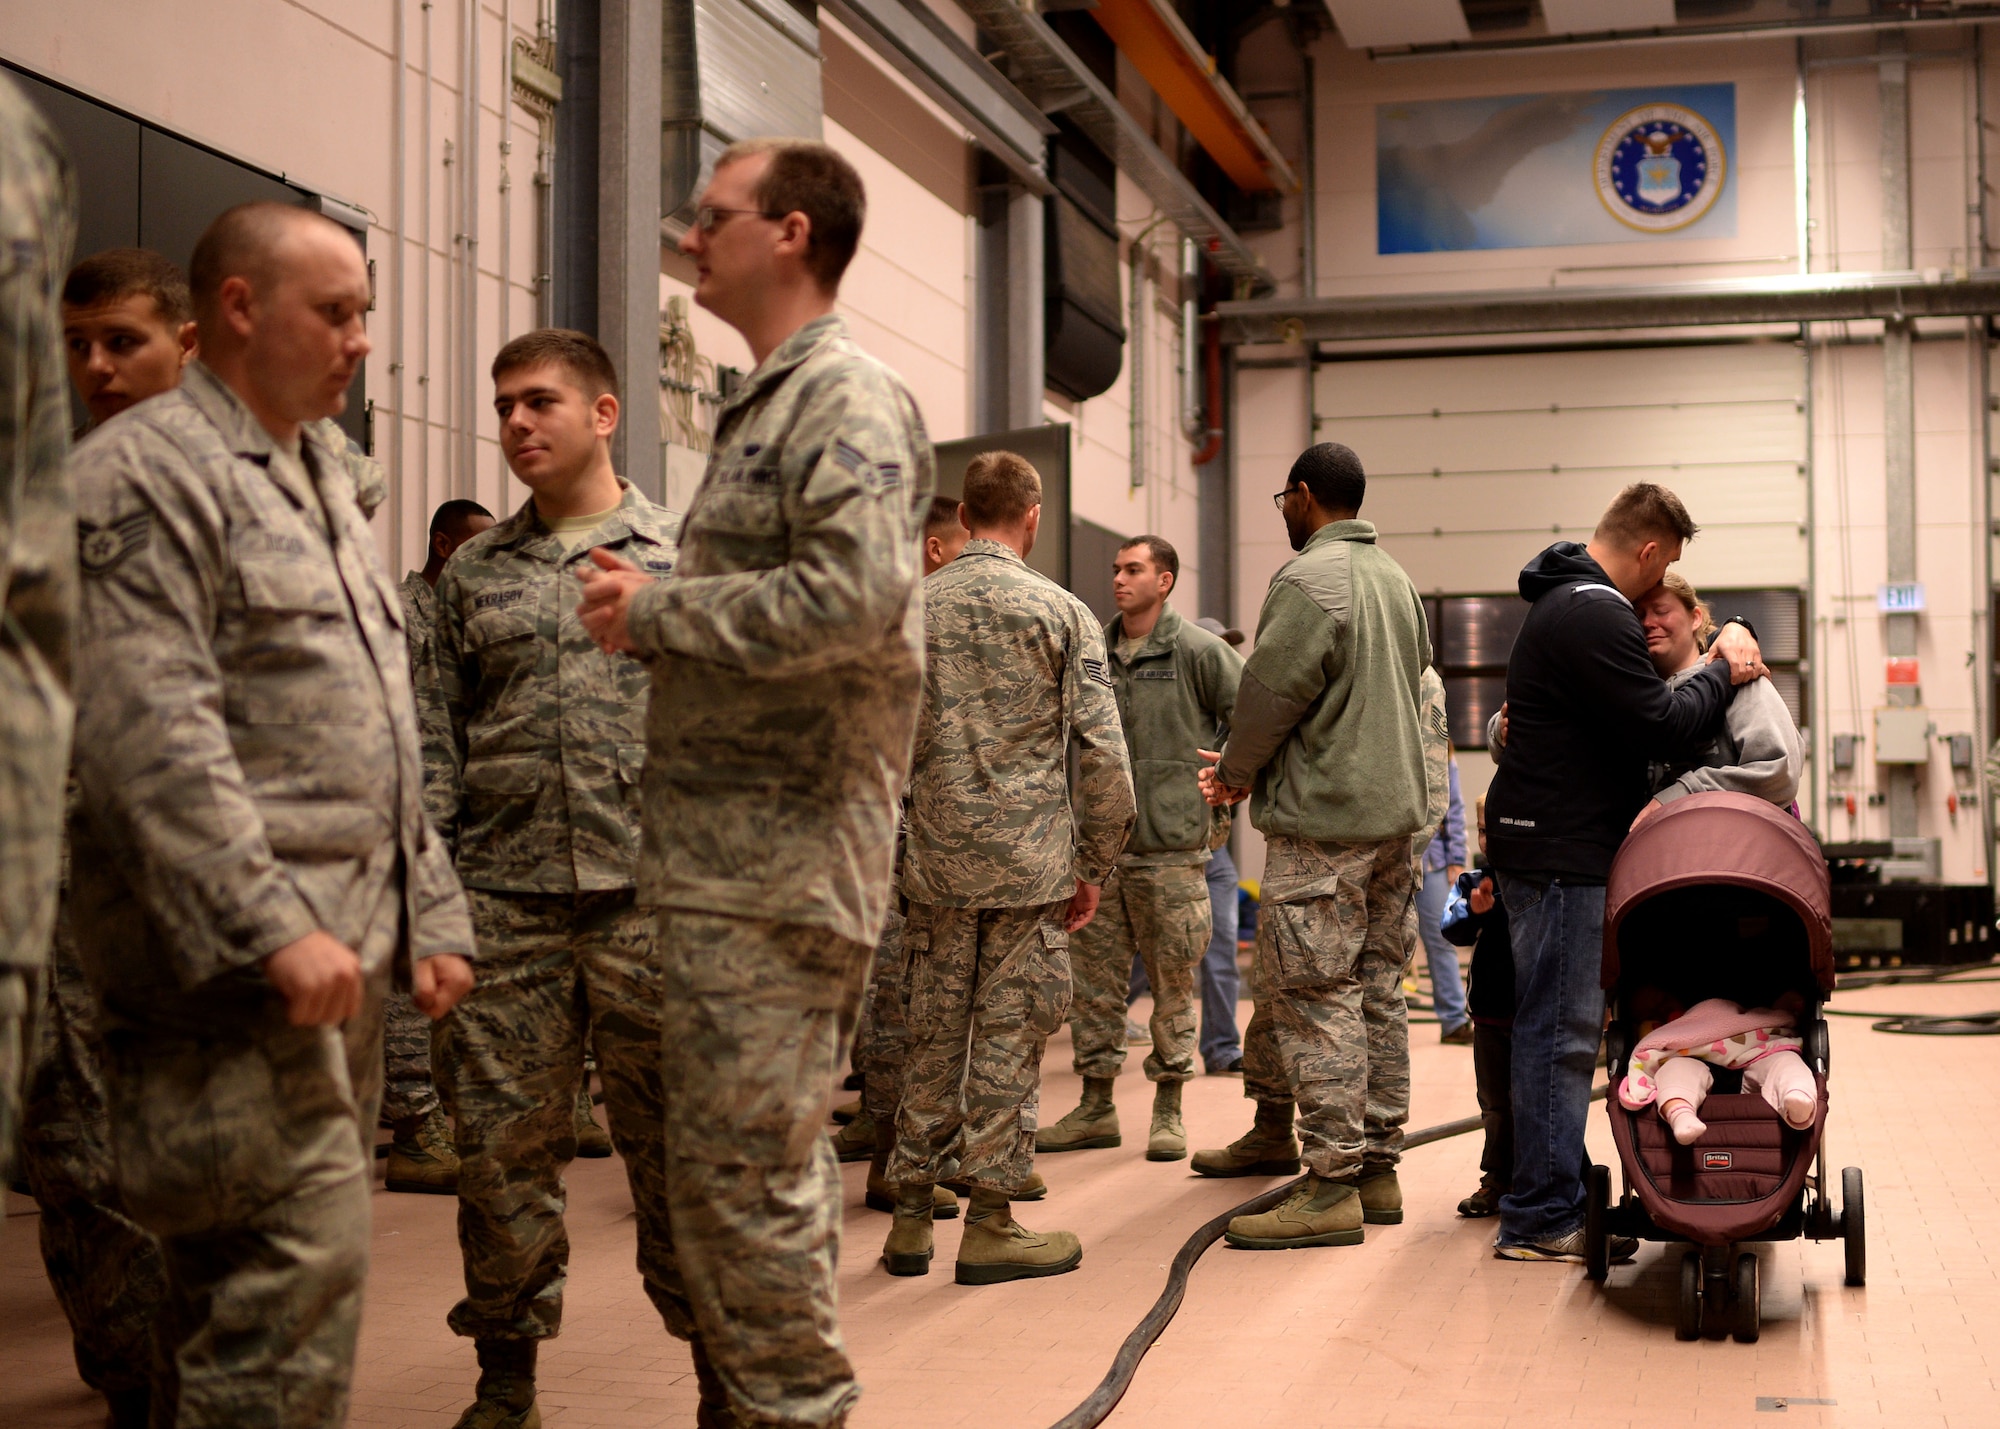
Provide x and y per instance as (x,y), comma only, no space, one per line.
(628,230)
(1899,409)
(1009,377)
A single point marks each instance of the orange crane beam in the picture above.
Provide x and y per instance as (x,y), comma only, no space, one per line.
(1152,36)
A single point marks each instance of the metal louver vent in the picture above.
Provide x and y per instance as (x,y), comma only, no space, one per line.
(734,69)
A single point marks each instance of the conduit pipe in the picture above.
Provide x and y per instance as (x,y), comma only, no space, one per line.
(1136,339)
(467,476)
(424,291)
(506,170)
(398,212)
(1190,363)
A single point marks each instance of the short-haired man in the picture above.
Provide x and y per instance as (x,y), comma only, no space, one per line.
(787,659)
(1585,711)
(536,786)
(1327,729)
(128,329)
(421,1158)
(1176,686)
(1007,853)
(254,860)
(882,1040)
(37,573)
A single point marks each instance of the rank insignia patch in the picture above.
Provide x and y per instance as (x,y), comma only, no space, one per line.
(102,549)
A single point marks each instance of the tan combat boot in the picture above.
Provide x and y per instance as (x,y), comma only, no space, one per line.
(1268,1149)
(422,1159)
(908,1249)
(1093,1126)
(506,1395)
(1167,1141)
(847,1111)
(1317,1213)
(881,1195)
(996,1248)
(592,1140)
(856,1140)
(1381,1196)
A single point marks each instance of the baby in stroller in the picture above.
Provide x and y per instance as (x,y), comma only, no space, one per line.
(1670,1066)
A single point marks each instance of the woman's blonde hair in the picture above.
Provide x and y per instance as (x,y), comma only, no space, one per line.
(1704,623)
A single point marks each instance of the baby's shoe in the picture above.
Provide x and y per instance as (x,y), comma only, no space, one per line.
(1687,1127)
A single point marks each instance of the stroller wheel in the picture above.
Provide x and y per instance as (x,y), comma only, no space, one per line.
(1854,1226)
(1596,1235)
(1749,1316)
(1687,1322)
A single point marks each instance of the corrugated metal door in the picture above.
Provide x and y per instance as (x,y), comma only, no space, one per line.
(1476,463)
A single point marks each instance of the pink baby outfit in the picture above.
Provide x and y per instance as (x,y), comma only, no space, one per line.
(1671,1064)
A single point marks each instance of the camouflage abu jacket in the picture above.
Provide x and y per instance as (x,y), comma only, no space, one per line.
(1175,696)
(787,648)
(536,780)
(1015,670)
(37,530)
(247,744)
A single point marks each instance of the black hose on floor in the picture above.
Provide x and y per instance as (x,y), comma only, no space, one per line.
(1103,1399)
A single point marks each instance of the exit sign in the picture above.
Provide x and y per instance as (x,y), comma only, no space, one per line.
(1901,598)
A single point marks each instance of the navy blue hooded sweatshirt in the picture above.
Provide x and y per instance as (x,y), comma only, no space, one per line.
(1586,710)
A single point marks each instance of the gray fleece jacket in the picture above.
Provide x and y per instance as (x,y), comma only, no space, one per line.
(1758,751)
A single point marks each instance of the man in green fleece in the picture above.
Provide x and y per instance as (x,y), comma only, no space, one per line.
(1176,685)
(1326,731)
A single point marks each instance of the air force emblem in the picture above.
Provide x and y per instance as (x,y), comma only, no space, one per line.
(1659,167)
(102,549)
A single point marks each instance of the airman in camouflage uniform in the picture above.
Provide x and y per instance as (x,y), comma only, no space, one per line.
(1327,728)
(787,656)
(539,787)
(1176,686)
(235,613)
(1001,845)
(37,572)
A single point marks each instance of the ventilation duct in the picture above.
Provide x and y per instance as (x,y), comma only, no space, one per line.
(733,69)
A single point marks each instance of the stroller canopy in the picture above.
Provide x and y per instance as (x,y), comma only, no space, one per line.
(1717,842)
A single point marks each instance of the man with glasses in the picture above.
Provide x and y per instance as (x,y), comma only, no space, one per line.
(786,653)
(1326,729)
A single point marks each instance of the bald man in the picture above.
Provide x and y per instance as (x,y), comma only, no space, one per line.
(253,865)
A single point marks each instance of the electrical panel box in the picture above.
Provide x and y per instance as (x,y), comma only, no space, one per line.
(1903,735)
(1843,750)
(1961,750)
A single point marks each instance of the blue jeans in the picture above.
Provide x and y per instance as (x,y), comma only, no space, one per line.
(1447,987)
(1221,982)
(1558,933)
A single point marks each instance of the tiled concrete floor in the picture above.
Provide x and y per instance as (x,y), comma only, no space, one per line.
(1418,1327)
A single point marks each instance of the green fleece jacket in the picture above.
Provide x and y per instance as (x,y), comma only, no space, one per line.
(1175,696)
(1326,730)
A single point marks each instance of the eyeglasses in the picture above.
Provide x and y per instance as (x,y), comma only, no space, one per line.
(1278,497)
(705,217)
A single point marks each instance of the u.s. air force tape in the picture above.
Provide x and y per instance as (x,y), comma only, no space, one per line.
(101,549)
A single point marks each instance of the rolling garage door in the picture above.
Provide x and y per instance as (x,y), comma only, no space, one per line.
(1476,463)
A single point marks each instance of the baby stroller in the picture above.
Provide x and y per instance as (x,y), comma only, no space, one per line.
(1720,895)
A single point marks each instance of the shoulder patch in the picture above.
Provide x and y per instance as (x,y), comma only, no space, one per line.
(102,549)
(883,476)
(1094,669)
(848,458)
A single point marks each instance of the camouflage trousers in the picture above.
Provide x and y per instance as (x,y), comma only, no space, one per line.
(17,993)
(759,1017)
(882,1042)
(407,1089)
(1336,930)
(106,1272)
(983,990)
(1161,913)
(243,1155)
(555,971)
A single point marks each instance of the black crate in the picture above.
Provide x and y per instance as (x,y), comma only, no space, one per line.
(1939,924)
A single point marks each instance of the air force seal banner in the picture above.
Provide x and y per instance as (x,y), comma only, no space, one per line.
(1660,167)
(1556,170)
